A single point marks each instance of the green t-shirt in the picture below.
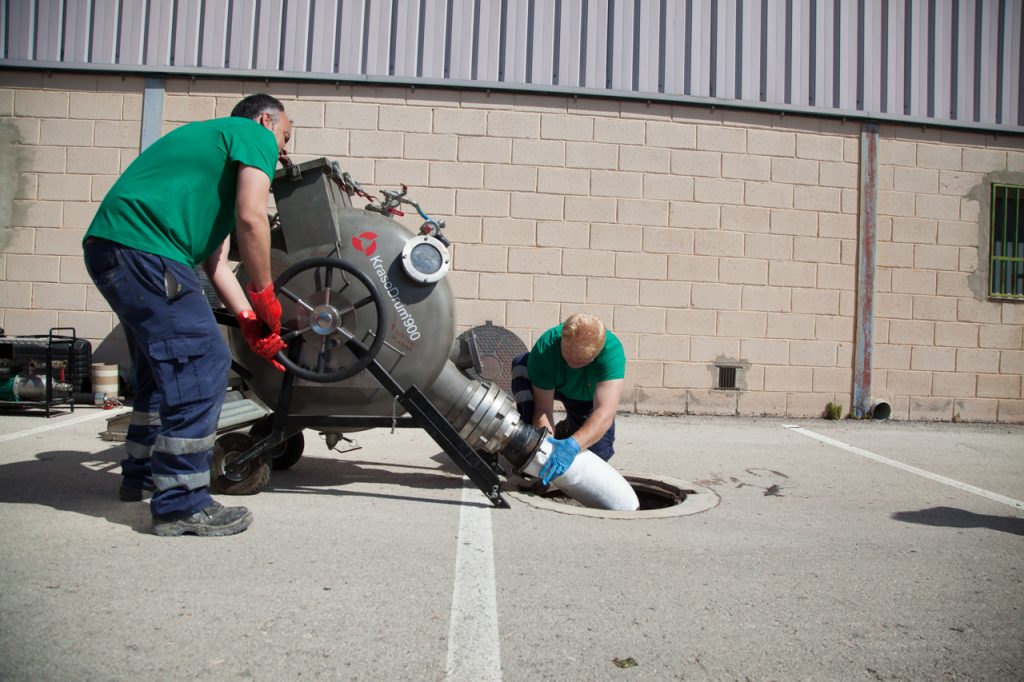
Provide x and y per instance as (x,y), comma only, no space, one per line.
(548,369)
(177,199)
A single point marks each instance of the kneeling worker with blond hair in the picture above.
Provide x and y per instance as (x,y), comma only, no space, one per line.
(582,365)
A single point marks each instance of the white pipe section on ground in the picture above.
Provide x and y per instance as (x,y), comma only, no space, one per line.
(590,480)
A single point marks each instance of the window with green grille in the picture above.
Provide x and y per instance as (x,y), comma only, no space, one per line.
(1006,264)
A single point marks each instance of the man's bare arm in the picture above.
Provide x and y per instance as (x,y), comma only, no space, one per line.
(606,404)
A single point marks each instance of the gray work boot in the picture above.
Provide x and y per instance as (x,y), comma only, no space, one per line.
(213,521)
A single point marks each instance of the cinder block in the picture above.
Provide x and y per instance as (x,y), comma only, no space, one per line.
(690,322)
(896,153)
(813,353)
(790,326)
(665,294)
(671,135)
(62,132)
(894,306)
(644,159)
(834,328)
(404,119)
(32,268)
(532,260)
(824,199)
(938,156)
(667,240)
(643,212)
(1011,412)
(981,361)
(919,180)
(617,131)
(695,215)
(983,160)
(787,379)
(430,147)
(398,171)
(538,152)
(795,171)
(612,291)
(459,121)
(510,287)
(64,187)
(40,104)
(502,177)
(741,324)
(36,213)
(936,257)
(16,294)
(322,142)
(956,233)
(355,116)
(687,375)
(588,262)
(742,271)
(482,203)
(641,266)
(914,230)
(560,289)
(785,221)
(958,183)
(513,124)
(954,384)
(819,147)
(768,194)
(998,386)
(188,108)
(1007,337)
(712,402)
(605,313)
(887,356)
(640,374)
(908,383)
(590,209)
(44,159)
(709,350)
(664,347)
(718,191)
(896,203)
(969,310)
(1011,362)
(931,409)
(913,282)
(791,274)
(722,139)
(693,268)
(771,143)
(537,206)
(640,320)
(616,184)
(747,219)
(559,127)
(767,246)
(563,233)
(457,175)
(831,380)
(591,155)
(51,242)
(464,230)
(815,302)
(746,167)
(6,102)
(563,181)
(838,175)
(764,351)
(671,187)
(484,149)
(464,285)
(938,207)
(933,359)
(481,257)
(72,270)
(61,297)
(531,314)
(715,296)
(816,250)
(767,299)
(659,401)
(717,243)
(93,105)
(696,163)
(472,313)
(510,231)
(976,410)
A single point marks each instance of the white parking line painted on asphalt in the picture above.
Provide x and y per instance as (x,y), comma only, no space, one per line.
(906,467)
(61,424)
(474,651)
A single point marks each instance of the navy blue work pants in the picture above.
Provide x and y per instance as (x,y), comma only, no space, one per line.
(181,367)
(576,411)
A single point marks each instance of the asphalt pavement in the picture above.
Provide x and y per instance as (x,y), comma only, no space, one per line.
(837,551)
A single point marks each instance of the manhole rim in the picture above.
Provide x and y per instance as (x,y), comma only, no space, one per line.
(700,500)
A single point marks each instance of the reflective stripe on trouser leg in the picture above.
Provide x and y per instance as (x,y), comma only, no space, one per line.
(522,388)
(144,423)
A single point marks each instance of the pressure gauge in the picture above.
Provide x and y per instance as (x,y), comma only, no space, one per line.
(425,259)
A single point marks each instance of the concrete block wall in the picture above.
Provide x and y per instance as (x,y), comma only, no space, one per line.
(701,237)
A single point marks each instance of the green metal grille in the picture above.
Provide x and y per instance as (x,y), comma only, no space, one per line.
(1006,264)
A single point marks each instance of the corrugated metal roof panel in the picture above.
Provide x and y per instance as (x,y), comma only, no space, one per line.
(950,61)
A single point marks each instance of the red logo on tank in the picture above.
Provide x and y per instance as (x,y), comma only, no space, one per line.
(366,243)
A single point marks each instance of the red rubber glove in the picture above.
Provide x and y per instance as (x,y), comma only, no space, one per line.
(267,307)
(264,345)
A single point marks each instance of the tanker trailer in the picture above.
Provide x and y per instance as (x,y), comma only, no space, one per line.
(369,319)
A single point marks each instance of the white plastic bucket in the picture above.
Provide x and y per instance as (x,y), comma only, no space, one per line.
(104,382)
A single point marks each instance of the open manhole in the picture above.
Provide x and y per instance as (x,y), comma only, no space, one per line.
(660,497)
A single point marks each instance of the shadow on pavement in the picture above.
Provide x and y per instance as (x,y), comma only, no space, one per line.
(79,482)
(959,518)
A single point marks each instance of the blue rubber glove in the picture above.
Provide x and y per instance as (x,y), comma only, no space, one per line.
(563,452)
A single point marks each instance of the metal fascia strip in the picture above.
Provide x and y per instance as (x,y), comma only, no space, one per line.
(152,112)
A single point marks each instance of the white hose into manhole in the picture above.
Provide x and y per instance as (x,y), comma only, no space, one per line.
(590,480)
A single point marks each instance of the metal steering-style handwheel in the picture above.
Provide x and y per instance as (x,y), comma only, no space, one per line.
(323,320)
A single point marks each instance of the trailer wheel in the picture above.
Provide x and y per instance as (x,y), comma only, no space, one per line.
(286,455)
(229,479)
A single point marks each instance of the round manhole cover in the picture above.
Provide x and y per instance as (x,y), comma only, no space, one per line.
(660,497)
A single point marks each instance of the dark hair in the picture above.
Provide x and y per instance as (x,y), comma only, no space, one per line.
(254,105)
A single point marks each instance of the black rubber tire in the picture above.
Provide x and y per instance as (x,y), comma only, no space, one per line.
(251,481)
(286,455)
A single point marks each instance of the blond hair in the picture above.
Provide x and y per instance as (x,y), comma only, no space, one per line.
(583,336)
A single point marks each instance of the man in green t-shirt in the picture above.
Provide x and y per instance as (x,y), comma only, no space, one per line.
(172,209)
(581,364)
